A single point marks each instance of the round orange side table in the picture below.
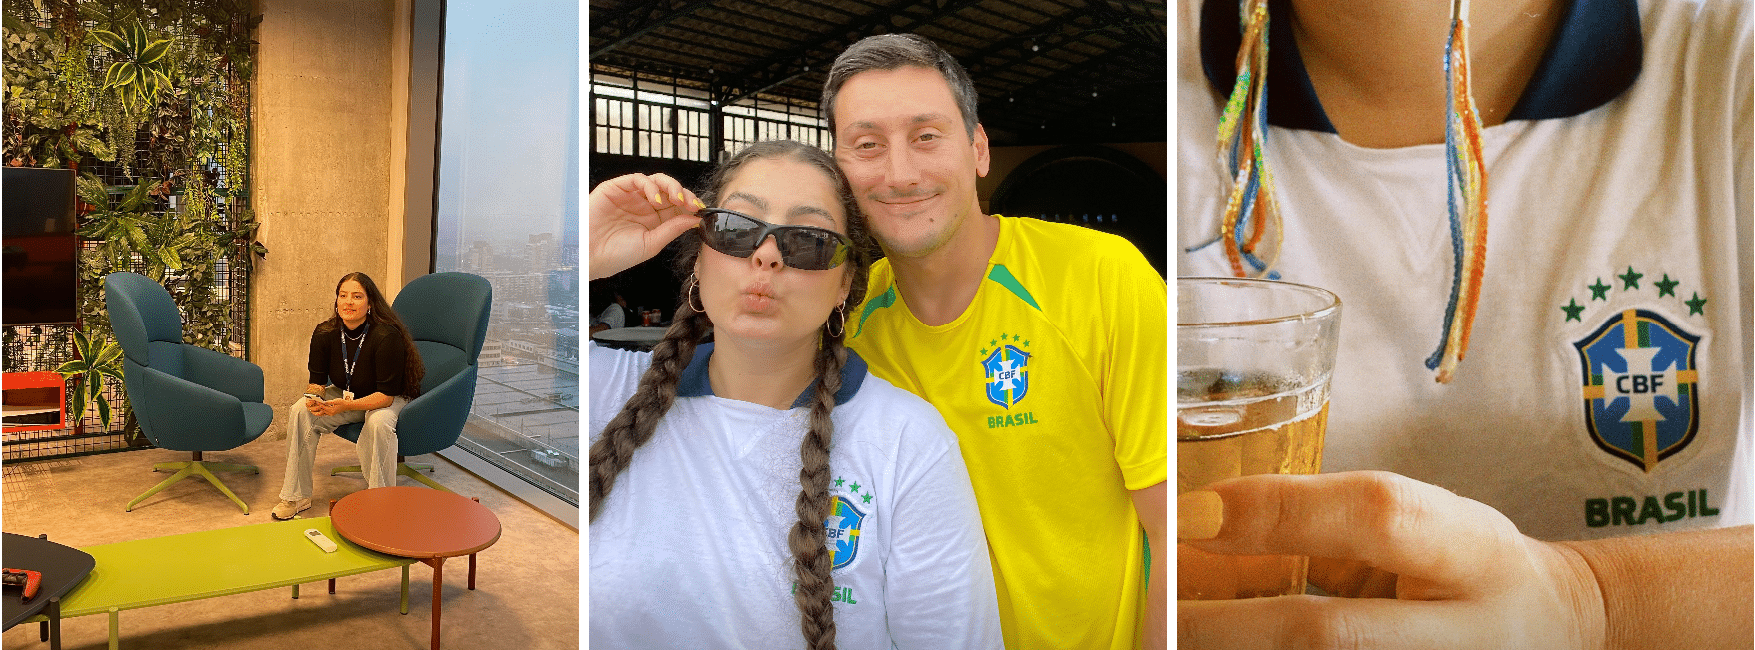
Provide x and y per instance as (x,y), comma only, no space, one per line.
(423,523)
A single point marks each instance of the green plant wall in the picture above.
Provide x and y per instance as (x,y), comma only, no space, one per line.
(149,101)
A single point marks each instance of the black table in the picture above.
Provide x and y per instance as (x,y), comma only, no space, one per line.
(638,339)
(63,568)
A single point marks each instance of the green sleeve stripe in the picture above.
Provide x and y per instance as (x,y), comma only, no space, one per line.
(888,299)
(1006,279)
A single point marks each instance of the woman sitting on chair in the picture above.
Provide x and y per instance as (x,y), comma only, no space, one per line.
(763,490)
(364,368)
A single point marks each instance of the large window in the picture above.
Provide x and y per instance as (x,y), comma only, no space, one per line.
(656,122)
(657,118)
(508,210)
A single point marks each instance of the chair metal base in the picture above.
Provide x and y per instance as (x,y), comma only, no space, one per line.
(402,469)
(200,468)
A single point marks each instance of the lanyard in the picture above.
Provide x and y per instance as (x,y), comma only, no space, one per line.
(346,365)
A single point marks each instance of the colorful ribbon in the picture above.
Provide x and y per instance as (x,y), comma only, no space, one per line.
(1242,132)
(1467,185)
(1251,211)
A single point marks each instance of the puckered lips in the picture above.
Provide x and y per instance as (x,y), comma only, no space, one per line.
(758,296)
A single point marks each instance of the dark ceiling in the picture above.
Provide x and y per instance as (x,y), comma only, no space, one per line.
(1048,71)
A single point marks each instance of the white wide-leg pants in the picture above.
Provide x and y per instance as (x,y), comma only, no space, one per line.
(377,444)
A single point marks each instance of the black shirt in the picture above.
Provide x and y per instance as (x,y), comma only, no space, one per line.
(381,364)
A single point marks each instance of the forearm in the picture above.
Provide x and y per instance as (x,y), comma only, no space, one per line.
(1677,590)
(367,403)
(314,389)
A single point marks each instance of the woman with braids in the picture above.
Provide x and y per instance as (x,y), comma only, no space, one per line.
(761,490)
(364,368)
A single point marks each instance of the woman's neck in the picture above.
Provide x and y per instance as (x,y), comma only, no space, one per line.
(352,326)
(770,375)
(1378,65)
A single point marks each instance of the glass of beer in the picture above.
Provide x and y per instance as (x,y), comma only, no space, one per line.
(1253,361)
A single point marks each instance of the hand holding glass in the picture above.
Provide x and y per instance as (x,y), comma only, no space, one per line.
(1253,362)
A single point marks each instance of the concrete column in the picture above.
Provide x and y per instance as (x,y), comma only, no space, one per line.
(326,124)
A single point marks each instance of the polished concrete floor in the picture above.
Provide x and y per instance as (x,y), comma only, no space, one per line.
(527,584)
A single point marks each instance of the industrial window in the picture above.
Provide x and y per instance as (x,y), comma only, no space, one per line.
(637,115)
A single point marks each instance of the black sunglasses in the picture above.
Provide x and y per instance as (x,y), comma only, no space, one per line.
(801,247)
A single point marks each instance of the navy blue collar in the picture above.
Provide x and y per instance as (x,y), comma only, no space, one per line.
(1595,56)
(694,381)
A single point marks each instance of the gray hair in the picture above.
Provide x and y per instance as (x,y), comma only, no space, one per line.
(893,51)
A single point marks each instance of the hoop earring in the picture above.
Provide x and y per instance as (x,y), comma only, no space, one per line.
(840,310)
(692,294)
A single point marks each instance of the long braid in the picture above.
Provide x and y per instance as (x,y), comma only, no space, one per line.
(634,425)
(810,556)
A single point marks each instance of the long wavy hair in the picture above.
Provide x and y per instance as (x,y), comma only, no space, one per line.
(634,425)
(381,314)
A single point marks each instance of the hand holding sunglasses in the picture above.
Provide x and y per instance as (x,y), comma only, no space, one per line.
(801,247)
(633,217)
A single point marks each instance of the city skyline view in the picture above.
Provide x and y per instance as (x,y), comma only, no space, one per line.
(508,211)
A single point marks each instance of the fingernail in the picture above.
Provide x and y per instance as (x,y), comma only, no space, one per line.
(679,197)
(1199,514)
(657,199)
(699,204)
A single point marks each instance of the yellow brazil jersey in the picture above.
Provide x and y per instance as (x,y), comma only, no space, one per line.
(1054,379)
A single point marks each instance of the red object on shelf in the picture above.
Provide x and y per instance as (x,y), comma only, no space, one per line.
(33,391)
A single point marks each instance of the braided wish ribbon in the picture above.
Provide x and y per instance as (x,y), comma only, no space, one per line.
(1251,209)
(1467,184)
(1242,135)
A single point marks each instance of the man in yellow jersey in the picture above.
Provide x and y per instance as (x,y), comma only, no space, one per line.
(1042,344)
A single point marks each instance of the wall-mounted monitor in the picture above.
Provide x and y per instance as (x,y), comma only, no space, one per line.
(41,273)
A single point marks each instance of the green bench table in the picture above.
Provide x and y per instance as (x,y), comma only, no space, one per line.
(213,563)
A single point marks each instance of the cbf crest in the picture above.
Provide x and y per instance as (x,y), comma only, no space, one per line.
(1007,370)
(841,531)
(1641,395)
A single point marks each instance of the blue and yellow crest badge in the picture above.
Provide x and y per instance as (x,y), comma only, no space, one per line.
(1641,394)
(841,531)
(1008,375)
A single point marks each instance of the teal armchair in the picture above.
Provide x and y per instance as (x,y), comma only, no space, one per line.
(186,398)
(447,315)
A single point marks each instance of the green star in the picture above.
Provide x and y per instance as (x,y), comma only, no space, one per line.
(1026,344)
(984,352)
(1697,305)
(867,497)
(1573,310)
(838,482)
(1599,291)
(1630,279)
(1017,337)
(855,487)
(993,342)
(1666,286)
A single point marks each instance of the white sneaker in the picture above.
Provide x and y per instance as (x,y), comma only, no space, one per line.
(286,509)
